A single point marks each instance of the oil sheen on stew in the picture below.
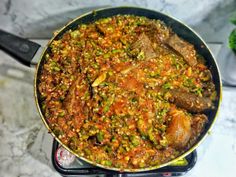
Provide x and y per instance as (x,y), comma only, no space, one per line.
(126,92)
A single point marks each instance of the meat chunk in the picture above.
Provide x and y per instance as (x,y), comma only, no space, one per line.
(208,89)
(75,101)
(145,45)
(178,132)
(190,101)
(74,95)
(157,32)
(198,123)
(183,48)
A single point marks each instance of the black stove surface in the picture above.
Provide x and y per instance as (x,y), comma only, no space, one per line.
(79,167)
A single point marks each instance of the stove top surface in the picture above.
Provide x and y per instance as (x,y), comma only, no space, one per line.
(71,166)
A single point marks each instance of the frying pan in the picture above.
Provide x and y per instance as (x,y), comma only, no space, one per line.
(28,53)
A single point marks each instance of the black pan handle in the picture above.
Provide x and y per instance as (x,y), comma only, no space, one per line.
(21,49)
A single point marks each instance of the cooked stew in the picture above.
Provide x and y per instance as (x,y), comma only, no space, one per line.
(126,92)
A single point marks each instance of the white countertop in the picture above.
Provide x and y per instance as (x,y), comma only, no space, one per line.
(25,145)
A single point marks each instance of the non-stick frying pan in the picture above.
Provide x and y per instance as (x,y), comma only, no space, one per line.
(27,53)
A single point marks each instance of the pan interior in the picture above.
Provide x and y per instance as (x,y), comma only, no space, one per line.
(179,28)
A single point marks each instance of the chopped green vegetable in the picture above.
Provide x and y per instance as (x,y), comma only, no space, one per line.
(213,95)
(61,114)
(55,68)
(95,65)
(108,163)
(116,51)
(113,139)
(198,91)
(188,82)
(86,95)
(100,136)
(108,103)
(108,149)
(164,142)
(151,136)
(166,85)
(135,140)
(87,151)
(58,132)
(107,55)
(104,84)
(134,100)
(99,52)
(141,55)
(154,74)
(74,34)
(106,108)
(142,127)
(162,112)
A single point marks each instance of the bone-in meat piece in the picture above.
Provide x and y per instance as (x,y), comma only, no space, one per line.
(183,48)
(190,101)
(145,45)
(179,130)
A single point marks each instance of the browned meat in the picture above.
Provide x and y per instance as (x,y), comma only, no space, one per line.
(209,88)
(208,85)
(145,45)
(184,48)
(190,101)
(179,130)
(75,101)
(157,32)
(198,123)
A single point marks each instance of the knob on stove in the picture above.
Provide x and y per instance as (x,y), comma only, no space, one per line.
(64,157)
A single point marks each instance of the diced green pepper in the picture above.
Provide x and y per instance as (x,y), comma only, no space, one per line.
(113,139)
(116,51)
(87,151)
(164,142)
(108,103)
(61,114)
(74,34)
(135,140)
(106,108)
(151,136)
(154,74)
(108,163)
(100,136)
(166,86)
(55,68)
(134,100)
(95,65)
(107,55)
(141,55)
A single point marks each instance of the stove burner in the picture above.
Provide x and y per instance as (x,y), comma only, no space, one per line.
(78,167)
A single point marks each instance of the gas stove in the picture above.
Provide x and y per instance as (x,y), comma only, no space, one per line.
(68,165)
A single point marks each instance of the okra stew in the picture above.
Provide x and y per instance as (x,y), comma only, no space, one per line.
(125,92)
